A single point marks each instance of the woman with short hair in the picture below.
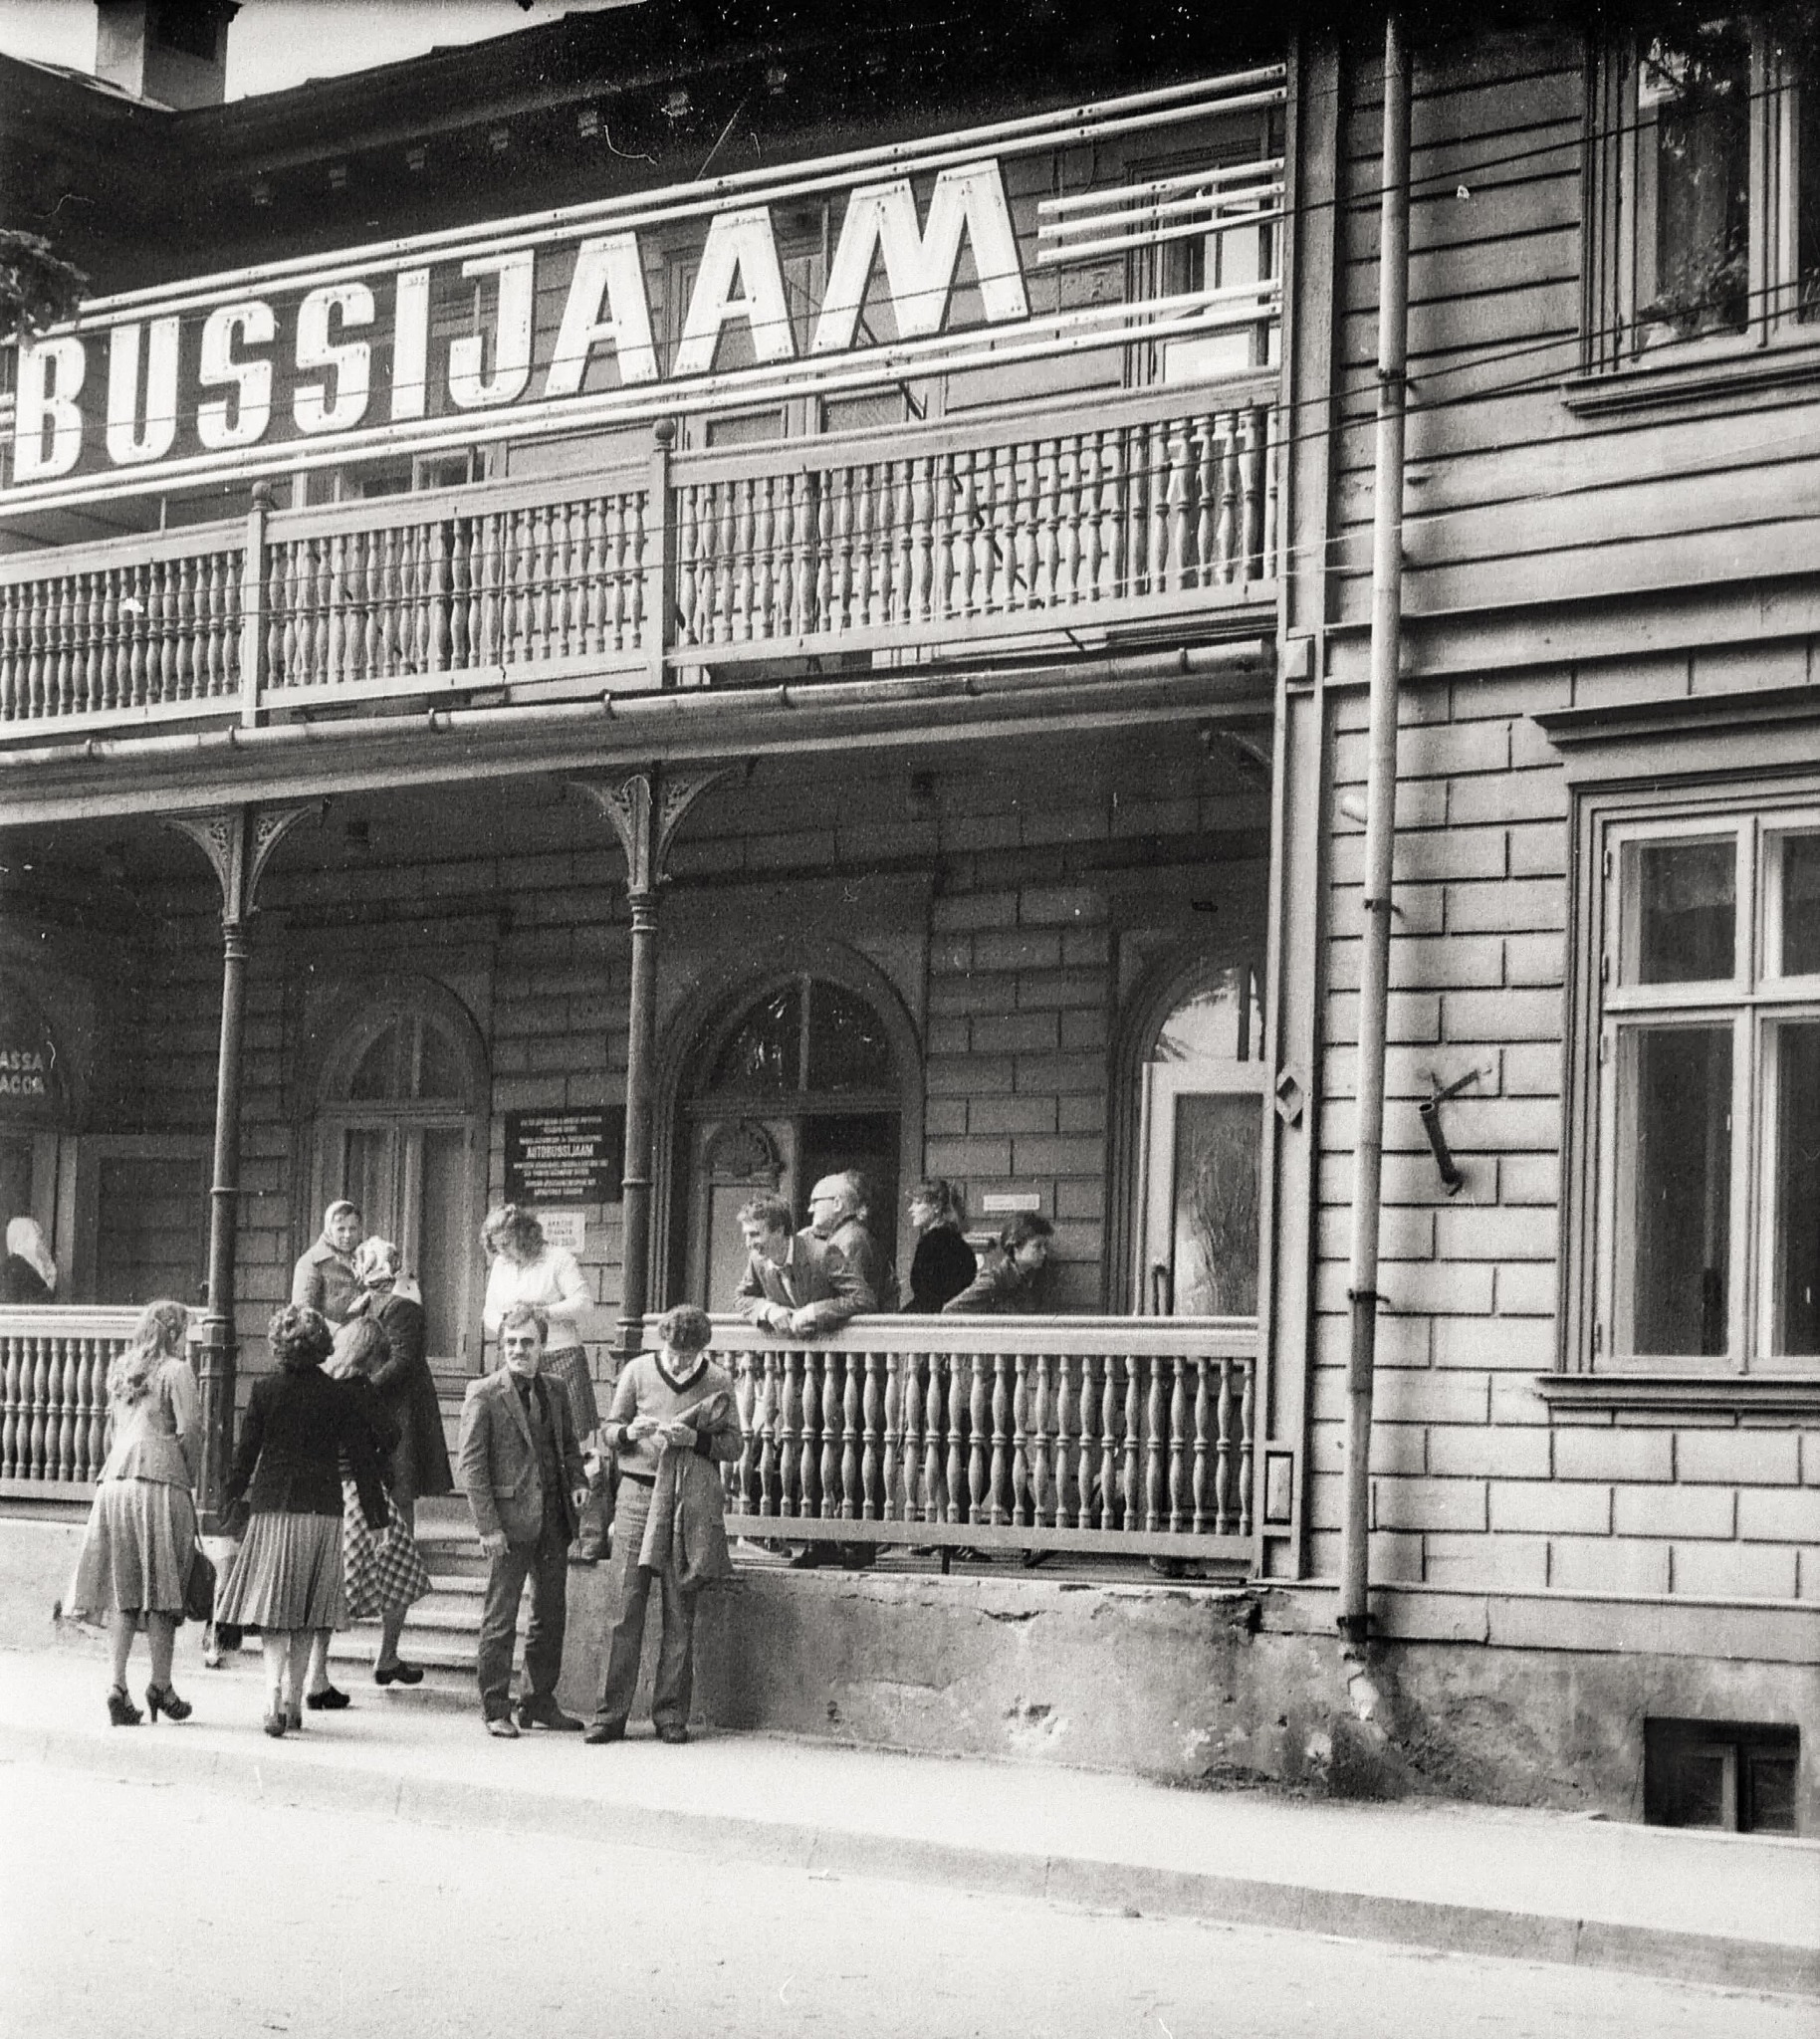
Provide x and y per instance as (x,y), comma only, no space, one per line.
(324,1279)
(287,1580)
(141,1540)
(942,1264)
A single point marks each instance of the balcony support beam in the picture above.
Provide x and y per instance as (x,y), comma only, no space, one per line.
(238,842)
(645,808)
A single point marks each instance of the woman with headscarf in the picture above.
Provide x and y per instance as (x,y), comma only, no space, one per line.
(526,1268)
(402,1381)
(324,1279)
(141,1540)
(29,1274)
(287,1581)
(383,1572)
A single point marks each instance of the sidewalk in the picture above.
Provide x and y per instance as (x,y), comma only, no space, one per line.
(1739,1911)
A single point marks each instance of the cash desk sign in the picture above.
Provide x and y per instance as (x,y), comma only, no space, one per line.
(547,322)
(25,1074)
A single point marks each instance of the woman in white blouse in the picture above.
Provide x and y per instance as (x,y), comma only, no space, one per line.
(525,1267)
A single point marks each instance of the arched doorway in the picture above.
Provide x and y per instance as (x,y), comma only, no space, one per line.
(1196,1085)
(796,1080)
(400,1129)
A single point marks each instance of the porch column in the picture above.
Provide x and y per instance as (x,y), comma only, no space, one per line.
(646,808)
(238,842)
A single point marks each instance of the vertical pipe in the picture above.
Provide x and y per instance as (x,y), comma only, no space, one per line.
(640,1074)
(217,1374)
(1380,826)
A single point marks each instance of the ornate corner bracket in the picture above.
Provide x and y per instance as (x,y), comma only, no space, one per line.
(646,808)
(239,843)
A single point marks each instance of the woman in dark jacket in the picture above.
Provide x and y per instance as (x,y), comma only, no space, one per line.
(402,1380)
(286,1579)
(944,1263)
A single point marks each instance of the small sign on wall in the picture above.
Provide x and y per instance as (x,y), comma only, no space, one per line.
(565,1229)
(1013,1199)
(563,1157)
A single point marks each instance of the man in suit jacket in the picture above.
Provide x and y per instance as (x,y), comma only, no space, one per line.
(522,1468)
(797,1284)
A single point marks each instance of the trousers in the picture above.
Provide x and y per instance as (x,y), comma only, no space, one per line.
(545,1564)
(675,1685)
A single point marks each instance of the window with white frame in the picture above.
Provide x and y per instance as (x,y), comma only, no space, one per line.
(1707,1087)
(1705,153)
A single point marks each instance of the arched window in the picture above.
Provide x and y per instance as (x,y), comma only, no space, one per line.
(400,1130)
(796,1082)
(1193,1159)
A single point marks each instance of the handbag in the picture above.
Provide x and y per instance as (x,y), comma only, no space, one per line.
(199,1588)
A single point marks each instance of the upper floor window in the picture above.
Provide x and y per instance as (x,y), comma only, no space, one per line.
(1706,173)
(1708,1090)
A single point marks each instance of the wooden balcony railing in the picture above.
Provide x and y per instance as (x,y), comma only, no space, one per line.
(54,1395)
(661,572)
(1125,1436)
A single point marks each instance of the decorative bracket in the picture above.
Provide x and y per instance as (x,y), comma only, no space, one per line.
(1452,1178)
(646,808)
(238,842)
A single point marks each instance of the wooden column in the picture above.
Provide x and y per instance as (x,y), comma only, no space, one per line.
(238,842)
(646,808)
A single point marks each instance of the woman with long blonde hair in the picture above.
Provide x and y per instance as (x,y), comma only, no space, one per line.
(141,1540)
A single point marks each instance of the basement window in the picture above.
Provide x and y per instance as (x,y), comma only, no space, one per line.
(1737,1777)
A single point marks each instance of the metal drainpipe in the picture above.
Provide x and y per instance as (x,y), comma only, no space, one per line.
(1380,829)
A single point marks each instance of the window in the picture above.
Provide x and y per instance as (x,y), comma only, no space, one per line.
(1708,1091)
(1705,155)
(1739,1776)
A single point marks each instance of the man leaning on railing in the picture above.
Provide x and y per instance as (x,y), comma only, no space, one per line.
(799,1285)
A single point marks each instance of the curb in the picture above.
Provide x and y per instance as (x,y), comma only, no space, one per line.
(1757,1966)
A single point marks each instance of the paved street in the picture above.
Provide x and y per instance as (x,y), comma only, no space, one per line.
(130,1908)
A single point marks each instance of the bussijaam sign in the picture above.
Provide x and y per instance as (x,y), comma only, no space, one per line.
(546,322)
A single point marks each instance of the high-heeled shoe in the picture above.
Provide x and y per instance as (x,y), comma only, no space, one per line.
(120,1710)
(276,1724)
(159,1699)
(397,1673)
(293,1717)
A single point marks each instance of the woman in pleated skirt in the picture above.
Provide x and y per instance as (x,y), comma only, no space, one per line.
(140,1542)
(383,1572)
(287,1578)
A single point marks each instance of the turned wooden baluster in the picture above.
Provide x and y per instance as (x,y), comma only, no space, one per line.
(11,1360)
(1047,547)
(1133,531)
(40,1400)
(809,1455)
(698,554)
(1155,1415)
(739,600)
(770,1398)
(62,681)
(1131,1492)
(526,586)
(1045,1447)
(300,594)
(823,616)
(966,509)
(841,596)
(97,1404)
(1069,1510)
(1026,519)
(941,533)
(1110,510)
(803,512)
(1023,1485)
(910,1389)
(741,1478)
(547,595)
(1156,484)
(1178,1447)
(935,1438)
(334,625)
(611,623)
(88,639)
(1205,501)
(1268,564)
(979,1421)
(65,1389)
(903,552)
(1093,569)
(988,565)
(686,588)
(960,1379)
(161,650)
(81,1374)
(1105,1479)
(1250,496)
(462,617)
(443,636)
(212,610)
(999,1491)
(381,595)
(791,1445)
(892,1457)
(1201,1411)
(593,602)
(35,628)
(1247,1414)
(1223,1453)
(9,653)
(1226,525)
(633,572)
(1176,564)
(726,559)
(840,1453)
(767,556)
